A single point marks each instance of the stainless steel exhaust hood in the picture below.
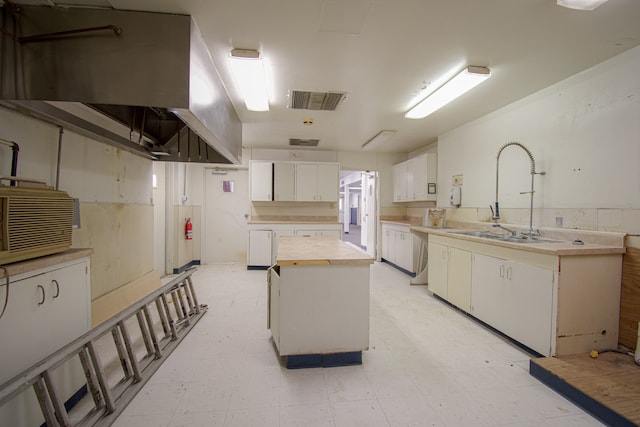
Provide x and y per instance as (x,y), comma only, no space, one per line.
(144,82)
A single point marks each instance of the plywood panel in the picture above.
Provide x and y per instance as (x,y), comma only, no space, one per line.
(630,298)
(121,236)
(612,380)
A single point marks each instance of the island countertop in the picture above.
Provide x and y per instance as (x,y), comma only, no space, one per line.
(303,250)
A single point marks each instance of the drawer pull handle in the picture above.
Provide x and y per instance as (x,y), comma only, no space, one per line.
(54,281)
(43,295)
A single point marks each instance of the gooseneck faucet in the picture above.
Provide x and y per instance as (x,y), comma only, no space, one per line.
(495,214)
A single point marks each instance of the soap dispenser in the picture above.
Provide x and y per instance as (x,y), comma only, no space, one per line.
(456,196)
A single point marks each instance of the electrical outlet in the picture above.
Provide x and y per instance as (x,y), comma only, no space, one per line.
(558,222)
(456,181)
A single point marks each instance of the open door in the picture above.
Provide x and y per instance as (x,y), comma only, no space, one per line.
(369,210)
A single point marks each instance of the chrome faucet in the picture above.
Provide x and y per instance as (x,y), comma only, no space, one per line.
(495,214)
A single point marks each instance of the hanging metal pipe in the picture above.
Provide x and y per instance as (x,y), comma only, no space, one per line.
(59,158)
(15,148)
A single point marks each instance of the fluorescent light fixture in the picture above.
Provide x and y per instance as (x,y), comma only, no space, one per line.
(375,142)
(467,79)
(581,4)
(249,74)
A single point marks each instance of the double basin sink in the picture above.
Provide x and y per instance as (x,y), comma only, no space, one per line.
(504,238)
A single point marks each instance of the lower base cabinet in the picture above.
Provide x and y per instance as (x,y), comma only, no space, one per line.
(554,304)
(46,309)
(514,298)
(399,246)
(449,274)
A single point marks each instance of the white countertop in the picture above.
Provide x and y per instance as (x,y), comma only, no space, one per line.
(595,243)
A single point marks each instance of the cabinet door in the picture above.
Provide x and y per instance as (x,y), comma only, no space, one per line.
(459,278)
(399,182)
(417,179)
(328,182)
(437,272)
(284,178)
(387,243)
(489,291)
(261,176)
(306,182)
(44,312)
(531,289)
(516,299)
(259,248)
(404,250)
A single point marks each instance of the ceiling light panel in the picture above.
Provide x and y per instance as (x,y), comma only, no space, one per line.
(581,4)
(249,75)
(466,80)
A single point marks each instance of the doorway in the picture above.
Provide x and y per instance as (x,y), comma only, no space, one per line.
(226,212)
(358,209)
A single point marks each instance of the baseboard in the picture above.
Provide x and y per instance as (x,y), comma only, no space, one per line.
(186,266)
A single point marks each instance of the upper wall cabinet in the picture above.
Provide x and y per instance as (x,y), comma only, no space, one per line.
(261,178)
(294,181)
(415,179)
(317,182)
(284,180)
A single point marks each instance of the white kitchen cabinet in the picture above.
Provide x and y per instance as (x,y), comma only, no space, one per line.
(284,178)
(399,173)
(317,182)
(404,250)
(47,308)
(514,298)
(260,248)
(438,265)
(319,233)
(261,181)
(399,246)
(415,179)
(554,304)
(449,274)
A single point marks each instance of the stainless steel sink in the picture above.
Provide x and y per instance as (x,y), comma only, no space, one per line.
(504,238)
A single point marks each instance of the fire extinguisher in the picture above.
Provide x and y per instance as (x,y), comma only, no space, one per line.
(188,230)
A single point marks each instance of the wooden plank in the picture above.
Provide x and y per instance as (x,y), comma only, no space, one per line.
(630,298)
(114,302)
(611,379)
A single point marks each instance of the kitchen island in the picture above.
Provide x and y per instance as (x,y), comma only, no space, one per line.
(318,308)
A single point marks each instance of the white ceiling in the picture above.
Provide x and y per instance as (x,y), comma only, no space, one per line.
(381,52)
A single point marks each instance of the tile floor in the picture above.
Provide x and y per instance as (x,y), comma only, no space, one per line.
(427,365)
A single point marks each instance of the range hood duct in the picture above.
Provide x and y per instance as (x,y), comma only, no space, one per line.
(150,88)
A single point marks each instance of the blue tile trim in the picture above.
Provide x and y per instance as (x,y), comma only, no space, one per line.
(186,266)
(299,361)
(73,400)
(397,267)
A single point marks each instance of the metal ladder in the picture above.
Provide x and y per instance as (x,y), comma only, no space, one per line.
(178,311)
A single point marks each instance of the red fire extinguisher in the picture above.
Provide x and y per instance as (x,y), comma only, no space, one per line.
(188,230)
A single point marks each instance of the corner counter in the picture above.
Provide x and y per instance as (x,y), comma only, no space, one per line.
(318,308)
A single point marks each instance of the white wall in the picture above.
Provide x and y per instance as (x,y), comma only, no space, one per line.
(114,188)
(584,133)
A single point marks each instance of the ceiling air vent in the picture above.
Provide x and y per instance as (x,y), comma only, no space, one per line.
(304,142)
(326,101)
